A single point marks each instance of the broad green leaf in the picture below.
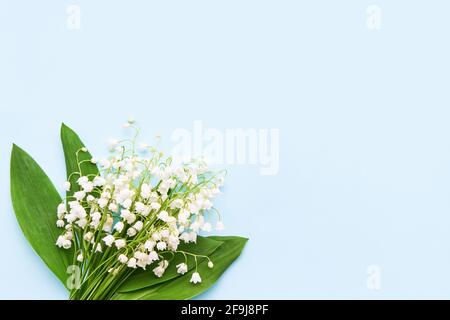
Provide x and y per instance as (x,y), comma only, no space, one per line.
(35,201)
(142,279)
(180,288)
(72,145)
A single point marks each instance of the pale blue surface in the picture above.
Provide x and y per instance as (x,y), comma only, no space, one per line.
(363,116)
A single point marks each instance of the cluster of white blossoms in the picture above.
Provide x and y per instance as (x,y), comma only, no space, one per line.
(139,207)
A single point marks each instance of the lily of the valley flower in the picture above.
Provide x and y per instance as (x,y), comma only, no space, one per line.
(161,268)
(137,211)
(182,268)
(196,278)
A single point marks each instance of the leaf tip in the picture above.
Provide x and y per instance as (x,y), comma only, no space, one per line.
(15,148)
(64,127)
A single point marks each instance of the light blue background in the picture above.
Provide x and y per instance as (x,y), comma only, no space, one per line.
(363,116)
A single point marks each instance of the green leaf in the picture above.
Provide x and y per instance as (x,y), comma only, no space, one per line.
(72,145)
(180,288)
(143,279)
(35,201)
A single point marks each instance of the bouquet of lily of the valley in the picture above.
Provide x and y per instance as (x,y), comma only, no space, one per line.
(128,226)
